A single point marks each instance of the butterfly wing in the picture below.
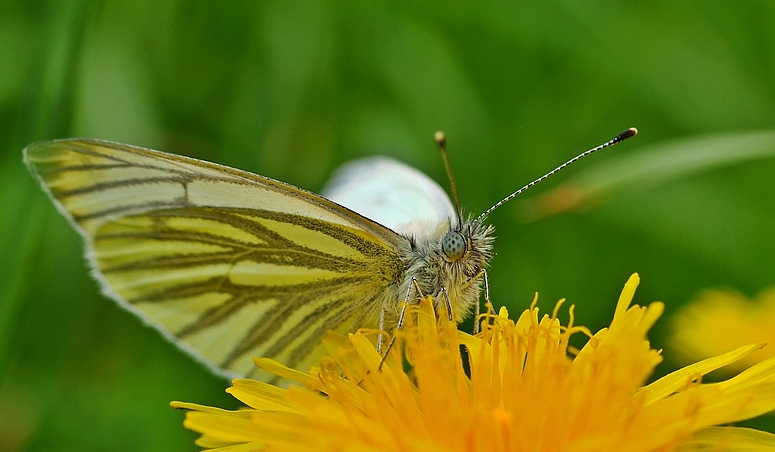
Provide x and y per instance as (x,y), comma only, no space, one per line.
(393,194)
(227,264)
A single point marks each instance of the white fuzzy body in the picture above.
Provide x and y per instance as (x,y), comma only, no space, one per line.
(412,204)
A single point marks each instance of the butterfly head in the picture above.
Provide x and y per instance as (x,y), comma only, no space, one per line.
(456,261)
(467,248)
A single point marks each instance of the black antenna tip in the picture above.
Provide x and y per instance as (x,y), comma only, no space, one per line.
(629,133)
(440,138)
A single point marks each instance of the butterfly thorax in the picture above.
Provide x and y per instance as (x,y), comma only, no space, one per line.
(428,261)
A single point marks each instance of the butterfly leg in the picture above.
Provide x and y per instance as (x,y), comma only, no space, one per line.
(477,313)
(401,317)
(449,304)
(490,307)
(487,302)
(381,328)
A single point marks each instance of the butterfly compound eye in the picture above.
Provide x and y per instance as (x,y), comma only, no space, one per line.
(453,245)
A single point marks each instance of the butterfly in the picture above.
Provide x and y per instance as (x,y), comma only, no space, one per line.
(230,265)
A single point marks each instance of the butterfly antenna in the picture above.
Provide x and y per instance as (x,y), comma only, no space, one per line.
(629,133)
(441,142)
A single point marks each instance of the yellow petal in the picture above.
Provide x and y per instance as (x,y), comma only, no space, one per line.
(626,296)
(260,395)
(223,428)
(249,447)
(681,378)
(208,409)
(729,439)
(762,373)
(275,368)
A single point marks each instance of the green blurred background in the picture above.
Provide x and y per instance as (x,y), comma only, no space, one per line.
(292,89)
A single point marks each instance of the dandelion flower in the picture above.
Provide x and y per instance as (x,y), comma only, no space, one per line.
(721,320)
(524,391)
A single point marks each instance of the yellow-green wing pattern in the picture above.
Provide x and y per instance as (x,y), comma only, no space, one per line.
(227,264)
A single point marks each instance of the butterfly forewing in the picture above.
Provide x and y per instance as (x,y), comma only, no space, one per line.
(228,264)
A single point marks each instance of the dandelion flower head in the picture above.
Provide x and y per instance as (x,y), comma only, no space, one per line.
(519,386)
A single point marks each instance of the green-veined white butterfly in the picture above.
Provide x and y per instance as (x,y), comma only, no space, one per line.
(230,265)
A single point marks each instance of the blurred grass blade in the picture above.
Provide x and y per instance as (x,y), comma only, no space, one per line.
(650,166)
(21,224)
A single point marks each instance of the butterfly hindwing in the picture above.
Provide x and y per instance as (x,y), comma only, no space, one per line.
(227,264)
(392,193)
